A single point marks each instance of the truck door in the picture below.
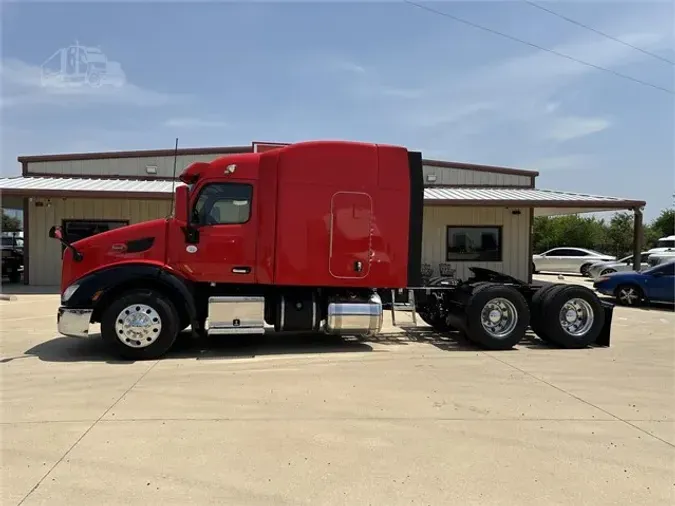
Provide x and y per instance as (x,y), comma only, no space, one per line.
(350,235)
(226,221)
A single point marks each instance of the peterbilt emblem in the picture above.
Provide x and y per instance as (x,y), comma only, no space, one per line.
(191,248)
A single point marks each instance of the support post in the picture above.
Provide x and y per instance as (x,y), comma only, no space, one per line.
(411,300)
(393,307)
(637,238)
(27,253)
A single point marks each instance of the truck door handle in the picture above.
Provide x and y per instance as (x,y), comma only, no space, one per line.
(241,270)
(358,266)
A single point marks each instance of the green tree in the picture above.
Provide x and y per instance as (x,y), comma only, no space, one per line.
(10,223)
(664,225)
(620,235)
(570,230)
(615,237)
(651,235)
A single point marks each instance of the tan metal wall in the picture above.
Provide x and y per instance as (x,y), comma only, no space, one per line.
(515,237)
(118,166)
(465,177)
(137,167)
(45,253)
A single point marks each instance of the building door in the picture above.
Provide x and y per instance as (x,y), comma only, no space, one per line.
(350,235)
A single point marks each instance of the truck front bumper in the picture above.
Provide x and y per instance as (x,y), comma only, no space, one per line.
(73,322)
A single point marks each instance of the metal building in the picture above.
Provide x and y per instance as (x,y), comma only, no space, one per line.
(475,215)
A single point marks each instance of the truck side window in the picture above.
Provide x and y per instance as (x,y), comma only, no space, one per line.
(223,203)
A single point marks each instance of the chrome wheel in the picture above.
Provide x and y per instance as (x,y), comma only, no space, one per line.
(628,295)
(499,317)
(576,317)
(138,326)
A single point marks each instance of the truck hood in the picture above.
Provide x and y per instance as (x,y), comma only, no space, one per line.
(143,242)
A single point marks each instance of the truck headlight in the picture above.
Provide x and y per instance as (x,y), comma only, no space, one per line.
(68,292)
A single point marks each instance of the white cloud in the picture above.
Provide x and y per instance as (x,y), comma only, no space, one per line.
(360,81)
(563,162)
(565,129)
(24,84)
(510,112)
(338,65)
(194,123)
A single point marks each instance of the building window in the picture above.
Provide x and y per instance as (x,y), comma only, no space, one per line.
(223,203)
(474,244)
(74,230)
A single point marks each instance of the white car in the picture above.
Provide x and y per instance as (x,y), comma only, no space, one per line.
(623,264)
(573,260)
(664,244)
(660,257)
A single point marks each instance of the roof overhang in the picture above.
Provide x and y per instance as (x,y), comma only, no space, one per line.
(544,202)
(64,187)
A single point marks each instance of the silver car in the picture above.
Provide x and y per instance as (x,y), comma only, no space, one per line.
(624,264)
(573,260)
(660,258)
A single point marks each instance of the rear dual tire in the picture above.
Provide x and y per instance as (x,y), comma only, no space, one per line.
(497,316)
(568,316)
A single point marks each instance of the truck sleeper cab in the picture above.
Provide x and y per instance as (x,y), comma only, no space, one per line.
(299,239)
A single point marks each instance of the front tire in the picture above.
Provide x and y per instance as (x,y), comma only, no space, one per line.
(629,295)
(140,325)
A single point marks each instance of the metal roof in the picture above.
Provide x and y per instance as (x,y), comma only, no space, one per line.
(449,196)
(73,186)
(526,197)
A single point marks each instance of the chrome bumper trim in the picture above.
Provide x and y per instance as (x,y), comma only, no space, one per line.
(74,322)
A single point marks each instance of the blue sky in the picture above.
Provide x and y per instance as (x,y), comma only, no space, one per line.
(222,73)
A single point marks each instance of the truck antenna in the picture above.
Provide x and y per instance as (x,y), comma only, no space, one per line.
(173,179)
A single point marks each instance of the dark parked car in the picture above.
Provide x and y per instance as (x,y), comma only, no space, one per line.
(12,258)
(633,288)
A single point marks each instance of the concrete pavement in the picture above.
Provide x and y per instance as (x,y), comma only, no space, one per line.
(407,418)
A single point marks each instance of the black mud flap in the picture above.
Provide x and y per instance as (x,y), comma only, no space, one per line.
(605,334)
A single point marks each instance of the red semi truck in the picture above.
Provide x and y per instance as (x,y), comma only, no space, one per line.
(302,238)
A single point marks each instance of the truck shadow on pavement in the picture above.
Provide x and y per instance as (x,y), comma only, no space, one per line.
(93,349)
(447,341)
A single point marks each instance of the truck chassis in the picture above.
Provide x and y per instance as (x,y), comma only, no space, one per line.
(141,318)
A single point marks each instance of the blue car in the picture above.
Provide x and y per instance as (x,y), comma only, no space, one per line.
(631,288)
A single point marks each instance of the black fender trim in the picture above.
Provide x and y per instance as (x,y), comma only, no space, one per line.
(110,279)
